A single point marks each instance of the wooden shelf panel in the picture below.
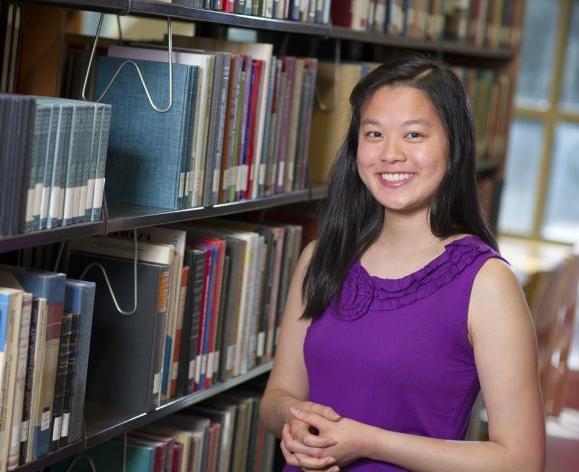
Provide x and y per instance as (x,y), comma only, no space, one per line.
(102,427)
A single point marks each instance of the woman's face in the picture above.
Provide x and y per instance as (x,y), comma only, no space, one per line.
(402,148)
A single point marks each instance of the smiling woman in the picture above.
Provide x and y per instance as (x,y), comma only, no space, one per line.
(403,309)
(402,157)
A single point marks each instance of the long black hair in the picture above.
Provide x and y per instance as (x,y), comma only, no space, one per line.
(352,219)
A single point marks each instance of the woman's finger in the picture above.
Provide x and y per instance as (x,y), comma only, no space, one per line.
(288,456)
(295,446)
(326,411)
(300,431)
(334,468)
(313,419)
(308,462)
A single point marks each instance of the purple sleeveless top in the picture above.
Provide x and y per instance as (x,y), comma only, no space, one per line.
(394,353)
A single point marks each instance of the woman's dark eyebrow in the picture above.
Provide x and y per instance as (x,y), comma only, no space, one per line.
(370,121)
(418,121)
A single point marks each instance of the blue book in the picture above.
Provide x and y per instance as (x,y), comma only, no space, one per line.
(49,285)
(79,298)
(146,148)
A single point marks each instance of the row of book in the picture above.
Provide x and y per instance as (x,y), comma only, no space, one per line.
(52,162)
(223,434)
(45,326)
(487,23)
(490,93)
(488,90)
(308,11)
(209,298)
(238,127)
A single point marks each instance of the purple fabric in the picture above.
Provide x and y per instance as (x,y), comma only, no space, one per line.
(394,353)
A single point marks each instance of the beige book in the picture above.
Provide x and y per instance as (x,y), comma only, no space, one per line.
(14,453)
(331,115)
(36,412)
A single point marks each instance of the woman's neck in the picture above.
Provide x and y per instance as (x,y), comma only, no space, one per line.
(404,233)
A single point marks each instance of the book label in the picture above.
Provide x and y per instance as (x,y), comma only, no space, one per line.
(181,184)
(261,178)
(230,356)
(210,365)
(215,181)
(30,204)
(24,431)
(65,424)
(280,174)
(156,383)
(197,372)
(191,373)
(45,420)
(174,370)
(260,344)
(98,193)
(56,429)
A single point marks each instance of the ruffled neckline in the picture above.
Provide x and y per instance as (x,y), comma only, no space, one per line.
(362,292)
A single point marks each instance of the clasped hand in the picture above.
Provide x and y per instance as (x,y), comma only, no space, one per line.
(339,442)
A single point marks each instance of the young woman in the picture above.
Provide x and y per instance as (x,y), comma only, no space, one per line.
(403,309)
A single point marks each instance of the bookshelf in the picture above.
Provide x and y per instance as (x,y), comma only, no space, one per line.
(117,217)
(103,428)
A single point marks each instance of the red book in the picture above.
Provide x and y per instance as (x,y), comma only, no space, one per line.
(179,330)
(201,364)
(177,457)
(342,13)
(253,112)
(228,6)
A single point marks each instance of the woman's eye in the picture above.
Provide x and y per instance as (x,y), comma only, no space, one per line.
(373,134)
(414,135)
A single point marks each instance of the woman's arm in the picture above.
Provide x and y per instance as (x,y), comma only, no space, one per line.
(288,383)
(505,351)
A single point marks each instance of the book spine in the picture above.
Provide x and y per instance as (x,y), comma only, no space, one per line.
(160,340)
(26,404)
(194,361)
(14,454)
(60,381)
(99,188)
(69,382)
(48,167)
(221,115)
(11,304)
(179,330)
(53,328)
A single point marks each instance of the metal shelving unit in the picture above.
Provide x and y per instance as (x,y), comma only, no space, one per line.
(36,238)
(102,427)
(126,217)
